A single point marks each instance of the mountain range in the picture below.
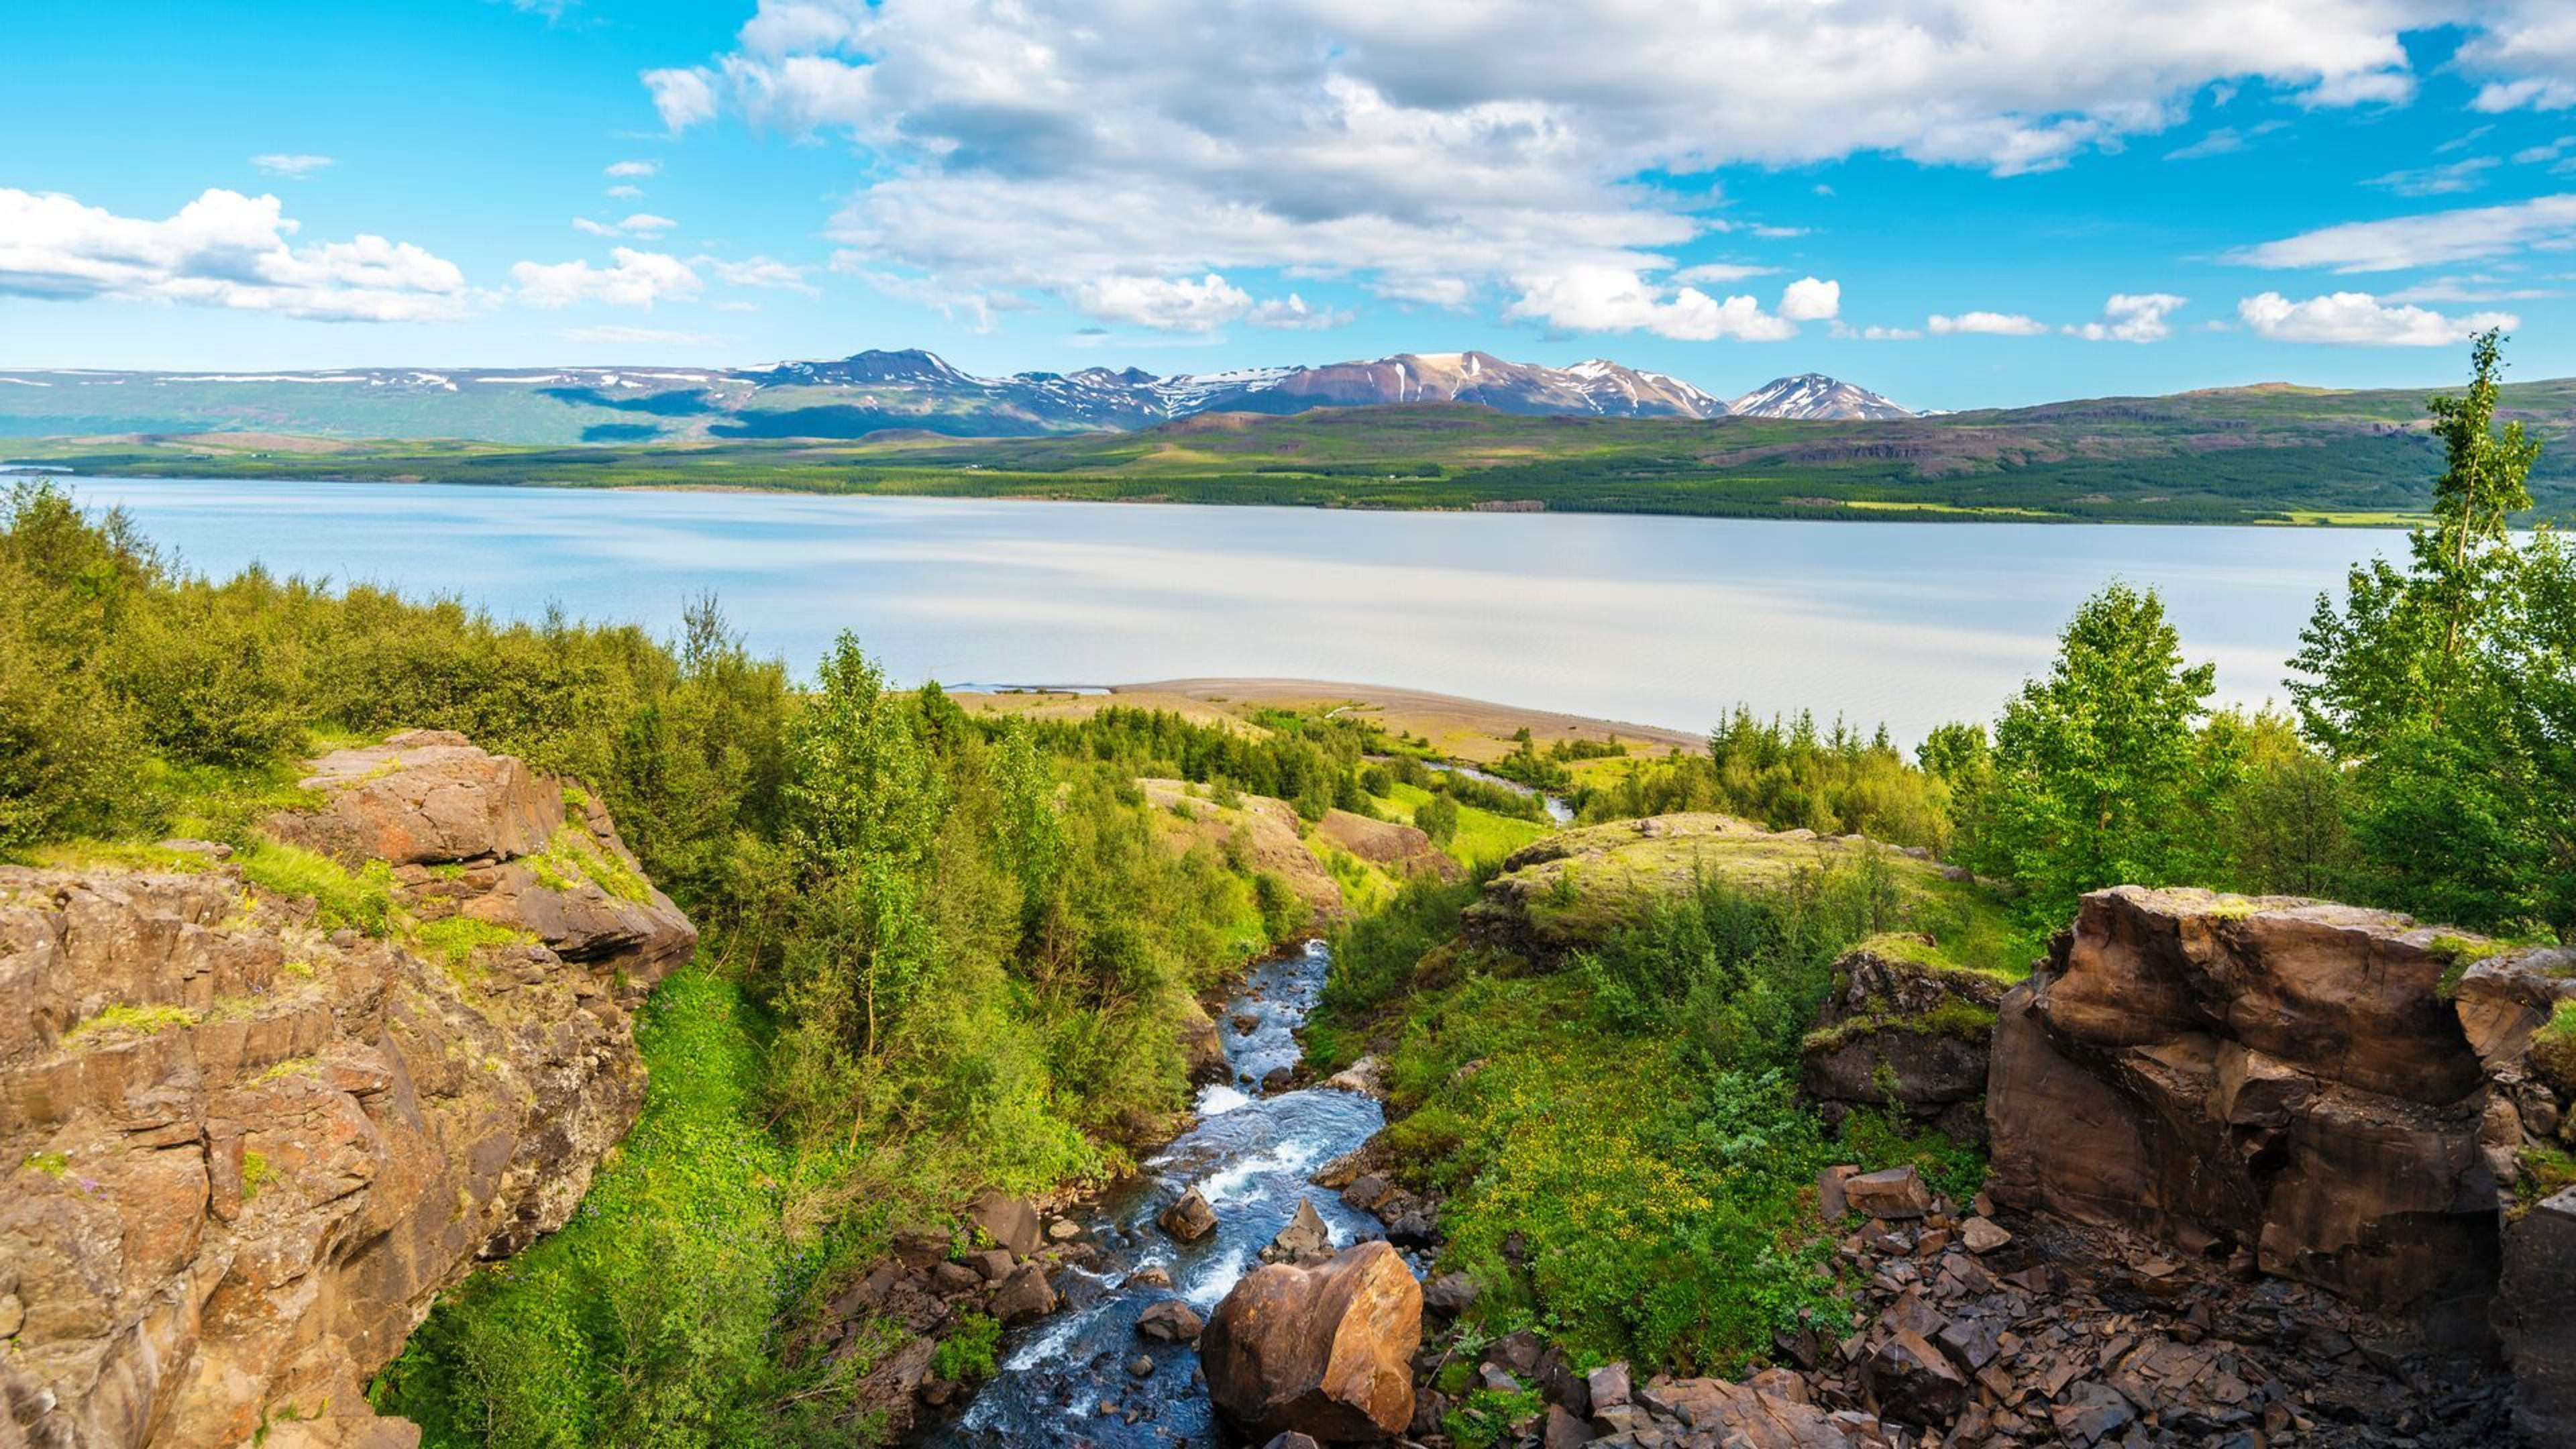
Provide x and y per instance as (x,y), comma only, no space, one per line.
(865,394)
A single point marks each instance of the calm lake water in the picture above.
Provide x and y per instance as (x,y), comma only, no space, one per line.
(1667,621)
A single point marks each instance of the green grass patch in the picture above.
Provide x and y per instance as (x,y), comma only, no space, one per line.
(255,1174)
(51,1164)
(363,899)
(455,940)
(134,1020)
(78,855)
(966,1354)
(573,857)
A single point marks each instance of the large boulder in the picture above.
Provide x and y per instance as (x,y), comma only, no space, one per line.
(245,1153)
(2328,1088)
(1325,1349)
(480,835)
(1904,1029)
(2536,1313)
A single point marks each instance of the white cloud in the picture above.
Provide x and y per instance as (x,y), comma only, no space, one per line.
(2547,151)
(616,336)
(1889,334)
(1440,151)
(765,272)
(683,97)
(633,279)
(1721,272)
(1293,315)
(2444,180)
(2132,318)
(2432,239)
(1810,300)
(2527,51)
(2360,319)
(293,168)
(1988,324)
(2475,288)
(637,169)
(223,249)
(642,224)
(1616,299)
(1173,304)
(626,193)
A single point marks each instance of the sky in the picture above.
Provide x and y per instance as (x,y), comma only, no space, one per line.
(1958,203)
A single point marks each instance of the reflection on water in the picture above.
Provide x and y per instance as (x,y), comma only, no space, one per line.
(1667,621)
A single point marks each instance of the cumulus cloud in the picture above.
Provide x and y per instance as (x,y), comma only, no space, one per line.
(1293,315)
(1617,299)
(2432,239)
(223,249)
(1810,300)
(632,279)
(1447,149)
(1166,304)
(293,168)
(2360,319)
(634,168)
(626,193)
(765,272)
(683,97)
(2131,318)
(1988,324)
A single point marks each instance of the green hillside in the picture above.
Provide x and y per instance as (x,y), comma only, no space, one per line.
(2273,454)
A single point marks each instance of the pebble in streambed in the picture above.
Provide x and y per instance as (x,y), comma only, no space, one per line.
(1096,1372)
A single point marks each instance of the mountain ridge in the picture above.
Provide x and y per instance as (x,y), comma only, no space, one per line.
(872,391)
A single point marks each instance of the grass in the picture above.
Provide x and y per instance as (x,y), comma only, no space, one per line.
(255,1174)
(453,941)
(51,1164)
(363,899)
(133,1020)
(78,855)
(572,858)
(966,1354)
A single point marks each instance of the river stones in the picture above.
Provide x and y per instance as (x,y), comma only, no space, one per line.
(1324,1349)
(1305,1237)
(1190,1219)
(1025,1294)
(1171,1320)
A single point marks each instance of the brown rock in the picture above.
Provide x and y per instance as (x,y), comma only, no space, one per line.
(242,1180)
(1305,1237)
(1170,1320)
(1009,1221)
(1564,1430)
(1025,1294)
(1894,1194)
(1325,1350)
(1831,1202)
(1913,1381)
(1983,1235)
(2277,1075)
(2536,1317)
(1747,1418)
(1190,1219)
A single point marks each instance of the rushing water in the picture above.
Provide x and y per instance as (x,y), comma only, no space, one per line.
(1064,1378)
(1667,621)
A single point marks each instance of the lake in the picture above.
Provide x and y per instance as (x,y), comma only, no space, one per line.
(1657,620)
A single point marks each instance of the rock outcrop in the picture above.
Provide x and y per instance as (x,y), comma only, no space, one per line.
(1903,1030)
(2335,1095)
(1266,832)
(1324,1349)
(246,1147)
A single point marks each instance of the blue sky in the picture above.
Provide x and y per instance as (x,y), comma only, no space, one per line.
(1956,202)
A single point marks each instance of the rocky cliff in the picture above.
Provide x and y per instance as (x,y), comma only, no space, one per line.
(2338,1096)
(248,1138)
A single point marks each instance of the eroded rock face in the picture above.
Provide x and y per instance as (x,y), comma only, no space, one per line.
(1901,1031)
(2289,1079)
(1324,1350)
(243,1154)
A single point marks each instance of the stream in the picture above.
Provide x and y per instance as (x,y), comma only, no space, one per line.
(1065,1379)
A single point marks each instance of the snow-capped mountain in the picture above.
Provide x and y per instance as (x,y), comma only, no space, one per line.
(1812,396)
(868,392)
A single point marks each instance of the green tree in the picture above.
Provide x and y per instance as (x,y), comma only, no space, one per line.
(2101,776)
(2442,689)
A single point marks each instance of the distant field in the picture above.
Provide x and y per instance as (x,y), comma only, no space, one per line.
(2246,455)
